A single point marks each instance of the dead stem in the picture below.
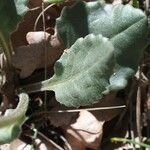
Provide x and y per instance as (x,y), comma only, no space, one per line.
(50,141)
(68,146)
(45,137)
(41,14)
(77,110)
(138,107)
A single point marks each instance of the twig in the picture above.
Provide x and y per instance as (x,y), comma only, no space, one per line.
(66,142)
(45,54)
(88,109)
(131,124)
(45,137)
(138,113)
(138,107)
(50,141)
(77,110)
(39,16)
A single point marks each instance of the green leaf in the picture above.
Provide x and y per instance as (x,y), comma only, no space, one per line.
(54,1)
(11,12)
(126,27)
(82,72)
(11,122)
(94,66)
(73,23)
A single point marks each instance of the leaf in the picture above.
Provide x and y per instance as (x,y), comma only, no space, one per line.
(82,72)
(72,24)
(85,134)
(54,1)
(31,57)
(11,12)
(93,66)
(11,122)
(126,27)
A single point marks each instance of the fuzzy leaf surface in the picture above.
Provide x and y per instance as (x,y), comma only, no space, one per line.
(11,122)
(125,26)
(83,71)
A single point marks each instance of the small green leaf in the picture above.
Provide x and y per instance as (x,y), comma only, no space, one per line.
(135,4)
(11,122)
(11,12)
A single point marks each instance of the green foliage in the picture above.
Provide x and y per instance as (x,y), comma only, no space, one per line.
(135,4)
(117,139)
(125,26)
(93,66)
(11,122)
(54,1)
(83,71)
(11,12)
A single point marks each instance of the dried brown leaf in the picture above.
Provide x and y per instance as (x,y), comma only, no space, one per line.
(62,119)
(18,37)
(87,131)
(31,57)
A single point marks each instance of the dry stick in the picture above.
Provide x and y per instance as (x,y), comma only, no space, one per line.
(138,107)
(66,142)
(88,109)
(45,137)
(131,124)
(138,113)
(45,54)
(50,141)
(78,110)
(148,111)
(39,16)
(131,117)
(147,2)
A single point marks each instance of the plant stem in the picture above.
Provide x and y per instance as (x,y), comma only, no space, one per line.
(6,48)
(35,87)
(116,139)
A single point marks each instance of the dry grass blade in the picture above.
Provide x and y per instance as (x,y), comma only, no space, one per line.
(50,141)
(66,143)
(78,110)
(41,14)
(138,106)
(88,109)
(138,113)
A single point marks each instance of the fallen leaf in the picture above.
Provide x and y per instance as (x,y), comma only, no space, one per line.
(18,37)
(35,3)
(36,37)
(87,131)
(31,57)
